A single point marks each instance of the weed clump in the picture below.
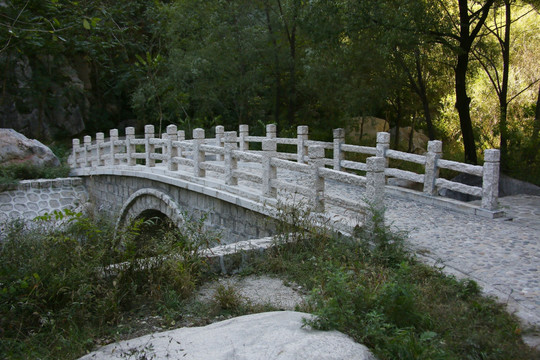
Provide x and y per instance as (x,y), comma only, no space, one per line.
(13,173)
(371,288)
(61,287)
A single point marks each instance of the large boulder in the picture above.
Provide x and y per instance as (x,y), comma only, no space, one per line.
(418,143)
(366,127)
(17,148)
(265,336)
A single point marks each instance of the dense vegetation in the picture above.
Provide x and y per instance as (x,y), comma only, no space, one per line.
(464,71)
(65,290)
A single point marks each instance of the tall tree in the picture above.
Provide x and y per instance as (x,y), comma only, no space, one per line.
(470,24)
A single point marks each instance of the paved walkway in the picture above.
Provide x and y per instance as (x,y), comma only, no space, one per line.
(502,255)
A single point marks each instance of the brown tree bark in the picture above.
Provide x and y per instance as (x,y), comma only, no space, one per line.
(467,19)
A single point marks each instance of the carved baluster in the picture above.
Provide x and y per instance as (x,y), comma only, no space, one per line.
(375,182)
(87,150)
(316,160)
(431,172)
(271,132)
(198,155)
(220,130)
(181,137)
(243,134)
(301,145)
(490,180)
(75,153)
(130,147)
(100,139)
(339,140)
(172,151)
(269,172)
(149,148)
(113,138)
(231,163)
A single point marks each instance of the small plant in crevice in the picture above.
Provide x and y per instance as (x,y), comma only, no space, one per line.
(228,298)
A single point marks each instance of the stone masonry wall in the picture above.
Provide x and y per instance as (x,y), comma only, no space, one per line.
(31,198)
(236,223)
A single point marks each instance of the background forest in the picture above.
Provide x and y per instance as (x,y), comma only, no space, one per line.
(462,71)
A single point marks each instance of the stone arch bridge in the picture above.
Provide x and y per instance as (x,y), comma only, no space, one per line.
(241,181)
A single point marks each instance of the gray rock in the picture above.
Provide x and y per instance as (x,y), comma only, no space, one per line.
(17,148)
(264,336)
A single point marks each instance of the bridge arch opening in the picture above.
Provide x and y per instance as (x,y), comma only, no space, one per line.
(152,205)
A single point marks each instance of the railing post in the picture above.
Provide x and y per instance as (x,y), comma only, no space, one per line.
(198,155)
(100,139)
(231,163)
(172,151)
(181,137)
(301,146)
(490,180)
(148,147)
(271,132)
(269,172)
(130,147)
(113,138)
(375,181)
(75,151)
(339,140)
(431,172)
(87,151)
(220,130)
(243,134)
(316,160)
(383,143)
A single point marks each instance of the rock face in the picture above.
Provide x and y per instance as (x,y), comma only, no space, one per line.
(418,142)
(17,148)
(367,126)
(265,336)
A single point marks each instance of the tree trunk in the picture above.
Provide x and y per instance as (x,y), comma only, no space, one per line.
(503,101)
(422,93)
(398,122)
(277,72)
(462,106)
(466,38)
(536,128)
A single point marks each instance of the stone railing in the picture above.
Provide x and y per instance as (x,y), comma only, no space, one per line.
(220,155)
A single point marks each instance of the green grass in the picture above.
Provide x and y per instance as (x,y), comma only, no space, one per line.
(370,288)
(13,173)
(59,296)
(59,292)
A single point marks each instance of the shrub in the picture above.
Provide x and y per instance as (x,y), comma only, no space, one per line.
(60,286)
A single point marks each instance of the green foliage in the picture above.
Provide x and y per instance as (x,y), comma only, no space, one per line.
(62,284)
(11,174)
(52,43)
(370,288)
